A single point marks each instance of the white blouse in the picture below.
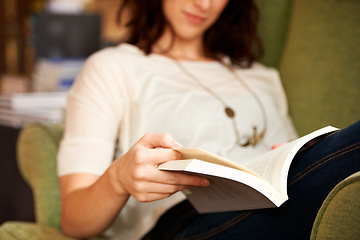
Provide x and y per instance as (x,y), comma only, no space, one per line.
(121,94)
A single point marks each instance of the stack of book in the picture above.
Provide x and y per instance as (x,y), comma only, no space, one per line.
(53,75)
(17,109)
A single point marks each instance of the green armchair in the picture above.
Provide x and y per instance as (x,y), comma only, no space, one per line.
(315,46)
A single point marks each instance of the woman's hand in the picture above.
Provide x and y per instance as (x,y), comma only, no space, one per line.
(136,172)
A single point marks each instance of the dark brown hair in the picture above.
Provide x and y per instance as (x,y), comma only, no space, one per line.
(233,35)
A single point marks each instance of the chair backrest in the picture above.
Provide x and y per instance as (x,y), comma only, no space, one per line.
(320,66)
(273,28)
(315,46)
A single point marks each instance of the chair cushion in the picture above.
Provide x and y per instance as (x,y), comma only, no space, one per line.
(320,67)
(339,216)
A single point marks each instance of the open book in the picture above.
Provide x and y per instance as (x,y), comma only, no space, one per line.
(262,183)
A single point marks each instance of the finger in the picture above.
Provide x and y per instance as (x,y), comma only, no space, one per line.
(142,156)
(152,187)
(150,173)
(150,197)
(277,145)
(175,178)
(159,140)
(163,155)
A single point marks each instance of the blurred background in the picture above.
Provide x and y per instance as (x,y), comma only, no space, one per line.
(43,45)
(34,33)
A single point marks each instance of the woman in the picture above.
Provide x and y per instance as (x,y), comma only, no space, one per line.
(188,74)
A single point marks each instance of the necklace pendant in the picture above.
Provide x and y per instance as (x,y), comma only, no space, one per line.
(247,143)
(229,112)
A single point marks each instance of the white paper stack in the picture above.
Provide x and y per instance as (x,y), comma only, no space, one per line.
(17,109)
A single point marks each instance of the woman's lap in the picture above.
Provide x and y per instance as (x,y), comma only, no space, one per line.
(313,174)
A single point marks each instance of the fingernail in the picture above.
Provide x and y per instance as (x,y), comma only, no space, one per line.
(177,145)
(205,182)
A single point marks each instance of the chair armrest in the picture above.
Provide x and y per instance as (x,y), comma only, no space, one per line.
(22,230)
(339,216)
(37,148)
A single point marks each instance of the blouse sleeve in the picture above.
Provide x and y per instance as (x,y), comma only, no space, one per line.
(93,117)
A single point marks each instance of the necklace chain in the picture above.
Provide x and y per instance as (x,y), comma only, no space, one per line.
(255,138)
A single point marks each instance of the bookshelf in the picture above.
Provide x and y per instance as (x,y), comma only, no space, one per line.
(17,53)
(13,16)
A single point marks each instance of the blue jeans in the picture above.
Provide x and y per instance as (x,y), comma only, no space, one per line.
(313,174)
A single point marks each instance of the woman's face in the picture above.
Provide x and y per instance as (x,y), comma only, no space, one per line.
(191,18)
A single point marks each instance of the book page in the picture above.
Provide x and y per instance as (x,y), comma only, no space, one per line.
(197,153)
(270,164)
(230,189)
(274,165)
(226,195)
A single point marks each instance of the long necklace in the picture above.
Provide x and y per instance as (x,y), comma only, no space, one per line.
(229,111)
